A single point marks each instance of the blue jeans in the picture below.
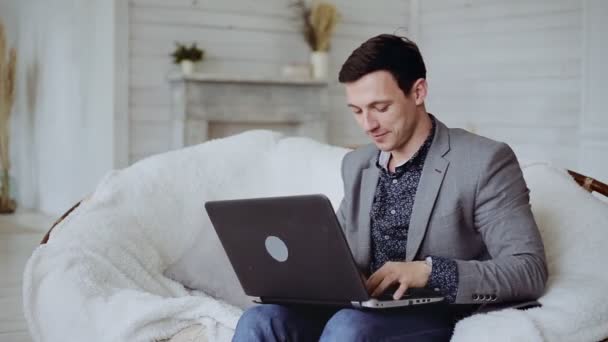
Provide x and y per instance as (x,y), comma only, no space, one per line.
(272,322)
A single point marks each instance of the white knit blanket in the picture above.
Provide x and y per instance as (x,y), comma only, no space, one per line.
(100,277)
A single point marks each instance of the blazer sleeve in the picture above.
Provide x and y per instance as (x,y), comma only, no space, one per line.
(517,269)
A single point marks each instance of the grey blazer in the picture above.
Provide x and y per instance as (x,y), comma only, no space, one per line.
(472,205)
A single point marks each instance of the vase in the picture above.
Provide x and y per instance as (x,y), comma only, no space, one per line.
(319,61)
(187,67)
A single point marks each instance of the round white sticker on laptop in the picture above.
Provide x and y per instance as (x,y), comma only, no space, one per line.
(276,248)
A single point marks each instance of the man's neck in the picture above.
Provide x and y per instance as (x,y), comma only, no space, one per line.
(403,154)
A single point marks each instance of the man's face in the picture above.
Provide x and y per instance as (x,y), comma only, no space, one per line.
(383,111)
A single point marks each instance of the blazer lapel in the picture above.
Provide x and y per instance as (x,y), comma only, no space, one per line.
(369,181)
(431,179)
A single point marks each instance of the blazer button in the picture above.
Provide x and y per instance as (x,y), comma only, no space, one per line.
(493,298)
(475,297)
(487,298)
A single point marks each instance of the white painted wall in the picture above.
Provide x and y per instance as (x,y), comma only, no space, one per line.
(593,145)
(529,73)
(242,39)
(521,72)
(63,130)
(510,70)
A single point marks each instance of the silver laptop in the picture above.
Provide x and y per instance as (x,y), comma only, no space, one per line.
(292,250)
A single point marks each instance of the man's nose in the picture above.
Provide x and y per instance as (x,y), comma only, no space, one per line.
(369,123)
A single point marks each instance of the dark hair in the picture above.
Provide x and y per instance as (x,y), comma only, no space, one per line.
(397,55)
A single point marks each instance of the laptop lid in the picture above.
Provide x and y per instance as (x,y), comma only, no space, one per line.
(288,247)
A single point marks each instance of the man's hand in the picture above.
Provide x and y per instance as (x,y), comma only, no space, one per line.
(413,274)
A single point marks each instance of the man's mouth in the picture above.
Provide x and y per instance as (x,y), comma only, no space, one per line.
(378,135)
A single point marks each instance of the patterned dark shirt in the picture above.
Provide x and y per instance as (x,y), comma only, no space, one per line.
(391,213)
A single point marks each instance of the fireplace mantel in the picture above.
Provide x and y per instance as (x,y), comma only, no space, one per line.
(208,106)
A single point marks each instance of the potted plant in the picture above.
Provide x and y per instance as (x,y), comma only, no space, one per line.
(318,25)
(8,67)
(187,56)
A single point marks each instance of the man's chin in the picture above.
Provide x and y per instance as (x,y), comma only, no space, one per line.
(383,146)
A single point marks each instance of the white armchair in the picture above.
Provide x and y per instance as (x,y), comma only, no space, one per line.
(574,225)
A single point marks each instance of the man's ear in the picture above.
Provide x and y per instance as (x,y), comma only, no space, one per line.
(419,90)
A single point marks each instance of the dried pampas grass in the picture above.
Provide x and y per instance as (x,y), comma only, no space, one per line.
(7,98)
(318,23)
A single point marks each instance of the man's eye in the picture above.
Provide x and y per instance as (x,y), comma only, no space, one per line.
(382,109)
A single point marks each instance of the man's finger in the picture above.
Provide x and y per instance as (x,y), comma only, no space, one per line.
(386,282)
(400,291)
(374,279)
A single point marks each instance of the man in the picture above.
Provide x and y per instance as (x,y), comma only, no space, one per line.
(424,206)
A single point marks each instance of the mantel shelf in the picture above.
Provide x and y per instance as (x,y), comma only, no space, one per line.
(222,78)
(208,106)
